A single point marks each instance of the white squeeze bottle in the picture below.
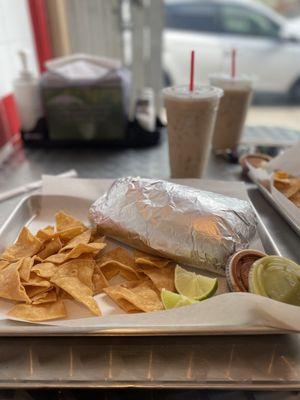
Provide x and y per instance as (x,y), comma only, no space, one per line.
(27,95)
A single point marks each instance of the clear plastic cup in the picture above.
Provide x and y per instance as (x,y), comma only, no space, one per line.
(191,118)
(232,110)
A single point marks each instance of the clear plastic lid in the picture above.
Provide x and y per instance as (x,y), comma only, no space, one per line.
(227,81)
(200,92)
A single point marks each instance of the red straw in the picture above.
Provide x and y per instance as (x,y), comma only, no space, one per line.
(192,68)
(233,63)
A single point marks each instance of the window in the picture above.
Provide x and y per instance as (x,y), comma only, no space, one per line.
(192,16)
(238,20)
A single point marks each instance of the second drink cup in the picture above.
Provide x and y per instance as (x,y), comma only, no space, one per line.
(232,111)
(191,118)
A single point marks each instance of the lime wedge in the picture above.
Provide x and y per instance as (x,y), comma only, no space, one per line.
(194,286)
(174,300)
(277,278)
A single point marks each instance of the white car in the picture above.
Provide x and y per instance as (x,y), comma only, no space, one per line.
(292,28)
(267,47)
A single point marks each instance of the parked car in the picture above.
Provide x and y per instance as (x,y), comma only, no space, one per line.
(266,46)
(292,28)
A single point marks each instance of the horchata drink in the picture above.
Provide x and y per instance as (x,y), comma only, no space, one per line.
(191,118)
(232,111)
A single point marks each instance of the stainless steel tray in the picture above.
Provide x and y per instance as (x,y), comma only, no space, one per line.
(28,209)
(281,211)
(269,362)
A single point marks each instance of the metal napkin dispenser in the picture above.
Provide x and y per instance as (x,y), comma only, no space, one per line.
(85,98)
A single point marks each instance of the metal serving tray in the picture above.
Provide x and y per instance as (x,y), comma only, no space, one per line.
(287,161)
(281,211)
(29,209)
(118,360)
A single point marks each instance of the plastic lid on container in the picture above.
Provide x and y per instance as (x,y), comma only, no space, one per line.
(238,267)
(227,81)
(200,92)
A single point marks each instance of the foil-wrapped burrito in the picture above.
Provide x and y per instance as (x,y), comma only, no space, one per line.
(190,226)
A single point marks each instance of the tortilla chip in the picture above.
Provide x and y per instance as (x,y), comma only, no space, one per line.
(140,294)
(57,258)
(86,256)
(75,278)
(68,234)
(281,176)
(51,247)
(25,268)
(35,280)
(79,291)
(61,294)
(113,268)
(75,252)
(41,312)
(37,260)
(127,306)
(296,199)
(65,221)
(26,246)
(162,278)
(83,238)
(100,239)
(29,270)
(45,269)
(99,281)
(118,261)
(3,264)
(45,234)
(45,297)
(144,259)
(81,269)
(36,285)
(286,183)
(11,287)
(290,187)
(120,255)
(33,291)
(293,189)
(85,248)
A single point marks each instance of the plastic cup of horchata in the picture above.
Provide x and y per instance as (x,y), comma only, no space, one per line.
(233,107)
(191,115)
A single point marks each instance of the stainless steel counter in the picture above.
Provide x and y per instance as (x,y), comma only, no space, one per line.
(252,362)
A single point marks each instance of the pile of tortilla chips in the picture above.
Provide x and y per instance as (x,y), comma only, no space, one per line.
(68,262)
(288,185)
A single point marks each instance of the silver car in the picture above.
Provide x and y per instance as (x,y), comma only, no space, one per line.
(266,47)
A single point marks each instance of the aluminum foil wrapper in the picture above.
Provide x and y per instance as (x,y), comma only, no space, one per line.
(190,226)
